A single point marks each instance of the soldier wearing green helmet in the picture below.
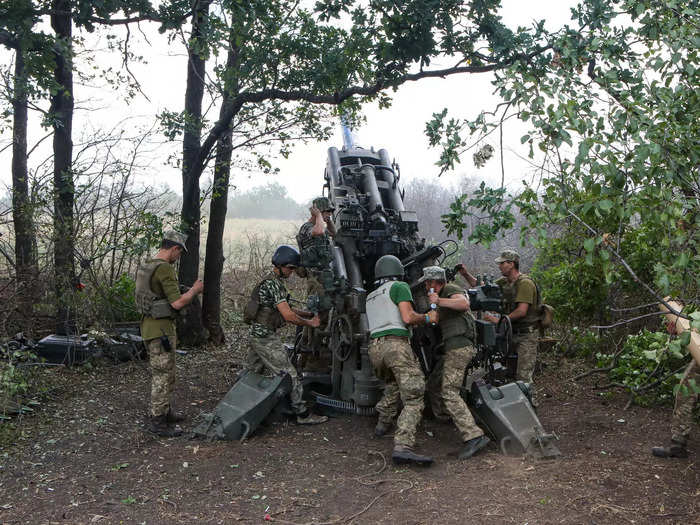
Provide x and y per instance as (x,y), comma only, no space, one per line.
(521,304)
(389,314)
(315,247)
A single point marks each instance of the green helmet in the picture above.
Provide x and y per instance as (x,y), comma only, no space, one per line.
(388,266)
(322,204)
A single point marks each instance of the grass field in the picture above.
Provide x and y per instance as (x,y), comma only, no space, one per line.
(241,230)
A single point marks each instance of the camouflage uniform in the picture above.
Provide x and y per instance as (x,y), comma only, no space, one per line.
(446,378)
(267,352)
(394,362)
(164,284)
(525,337)
(682,420)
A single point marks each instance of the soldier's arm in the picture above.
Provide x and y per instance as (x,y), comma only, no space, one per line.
(319,224)
(457,301)
(410,316)
(187,297)
(330,226)
(290,316)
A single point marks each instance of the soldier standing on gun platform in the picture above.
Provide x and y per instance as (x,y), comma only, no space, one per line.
(389,313)
(269,309)
(521,304)
(314,240)
(158,299)
(458,333)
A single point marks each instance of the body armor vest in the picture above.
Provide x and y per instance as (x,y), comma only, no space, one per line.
(453,323)
(149,303)
(382,313)
(315,252)
(509,291)
(254,312)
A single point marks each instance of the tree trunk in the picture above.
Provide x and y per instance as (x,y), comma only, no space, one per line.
(214,260)
(189,327)
(25,255)
(64,191)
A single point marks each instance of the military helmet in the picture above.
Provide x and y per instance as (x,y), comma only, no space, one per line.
(286,255)
(388,266)
(322,204)
(178,238)
(433,273)
(509,254)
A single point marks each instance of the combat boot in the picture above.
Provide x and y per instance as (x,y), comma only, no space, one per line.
(403,455)
(382,429)
(159,426)
(174,417)
(311,419)
(674,450)
(473,446)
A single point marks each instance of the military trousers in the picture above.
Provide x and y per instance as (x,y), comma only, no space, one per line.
(268,355)
(443,388)
(162,363)
(394,363)
(526,346)
(682,420)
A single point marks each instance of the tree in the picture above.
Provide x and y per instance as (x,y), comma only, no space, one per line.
(614,110)
(291,59)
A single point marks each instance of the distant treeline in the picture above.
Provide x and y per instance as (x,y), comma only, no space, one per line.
(266,202)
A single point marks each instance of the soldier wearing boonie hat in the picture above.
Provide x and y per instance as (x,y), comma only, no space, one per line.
(158,299)
(521,304)
(458,336)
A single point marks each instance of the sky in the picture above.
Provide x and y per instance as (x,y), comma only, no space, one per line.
(399,129)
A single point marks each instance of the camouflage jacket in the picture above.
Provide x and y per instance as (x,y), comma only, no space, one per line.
(272,292)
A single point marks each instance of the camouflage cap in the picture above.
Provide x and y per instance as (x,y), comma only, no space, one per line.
(323,204)
(433,273)
(176,237)
(508,255)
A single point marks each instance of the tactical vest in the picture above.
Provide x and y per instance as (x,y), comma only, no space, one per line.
(454,323)
(382,313)
(149,303)
(266,316)
(509,292)
(315,252)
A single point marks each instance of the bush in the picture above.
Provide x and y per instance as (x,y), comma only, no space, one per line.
(646,366)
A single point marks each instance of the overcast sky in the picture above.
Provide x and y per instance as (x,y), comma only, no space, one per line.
(399,129)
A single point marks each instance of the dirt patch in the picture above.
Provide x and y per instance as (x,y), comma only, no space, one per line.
(85,458)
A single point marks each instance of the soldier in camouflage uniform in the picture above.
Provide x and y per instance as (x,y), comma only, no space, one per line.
(521,304)
(158,299)
(687,398)
(389,314)
(315,245)
(268,310)
(458,332)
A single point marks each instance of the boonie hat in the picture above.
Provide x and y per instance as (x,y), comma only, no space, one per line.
(508,255)
(176,237)
(323,204)
(433,273)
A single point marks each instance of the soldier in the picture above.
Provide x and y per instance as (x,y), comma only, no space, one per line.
(314,240)
(389,313)
(682,421)
(521,304)
(458,333)
(158,299)
(268,310)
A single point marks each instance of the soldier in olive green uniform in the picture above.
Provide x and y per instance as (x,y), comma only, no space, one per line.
(158,299)
(268,310)
(389,314)
(521,304)
(458,332)
(315,247)
(687,399)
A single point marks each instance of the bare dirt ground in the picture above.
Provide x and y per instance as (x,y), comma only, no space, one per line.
(85,458)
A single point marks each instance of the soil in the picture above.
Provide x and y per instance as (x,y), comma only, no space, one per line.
(86,458)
